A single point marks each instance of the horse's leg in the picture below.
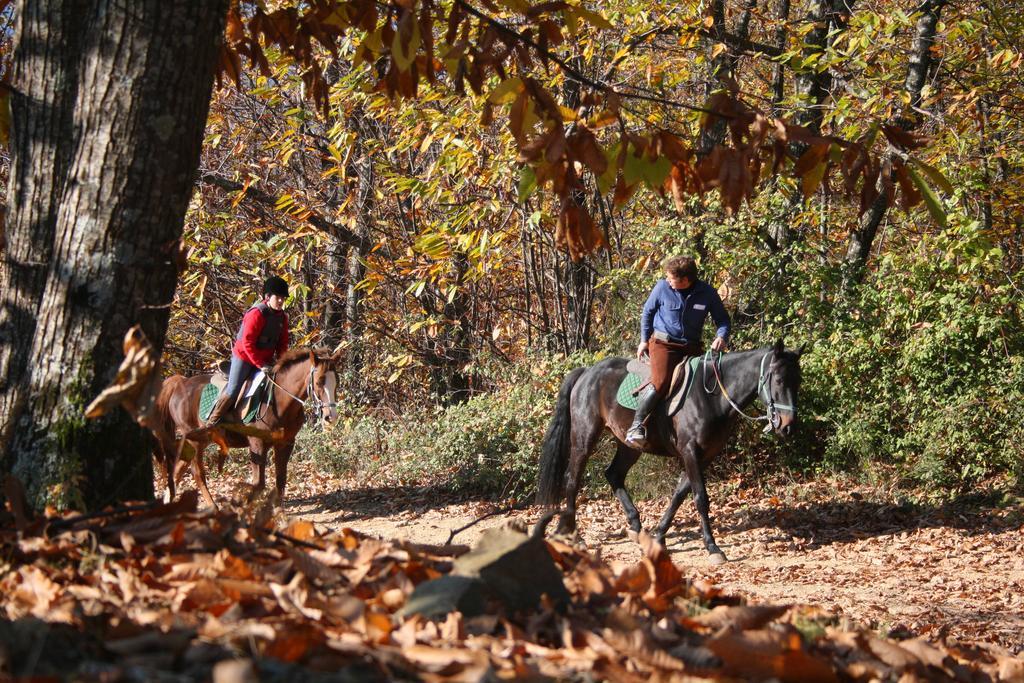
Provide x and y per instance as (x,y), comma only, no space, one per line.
(282,452)
(581,442)
(199,472)
(694,472)
(625,458)
(258,464)
(166,455)
(222,450)
(682,491)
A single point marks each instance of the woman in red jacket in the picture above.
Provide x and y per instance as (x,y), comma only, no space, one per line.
(262,338)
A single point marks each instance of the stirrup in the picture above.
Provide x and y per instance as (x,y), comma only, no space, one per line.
(637,435)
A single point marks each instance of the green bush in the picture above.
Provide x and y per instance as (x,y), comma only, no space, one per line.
(489,444)
(914,370)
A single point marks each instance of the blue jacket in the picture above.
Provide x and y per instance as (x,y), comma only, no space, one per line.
(681,313)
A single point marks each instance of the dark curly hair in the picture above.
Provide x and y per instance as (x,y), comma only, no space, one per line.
(680,267)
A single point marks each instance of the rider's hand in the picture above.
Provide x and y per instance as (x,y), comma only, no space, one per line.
(641,351)
(718,344)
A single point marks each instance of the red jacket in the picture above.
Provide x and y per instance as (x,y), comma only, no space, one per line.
(254,342)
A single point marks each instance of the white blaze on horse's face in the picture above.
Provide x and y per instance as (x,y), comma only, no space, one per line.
(329,413)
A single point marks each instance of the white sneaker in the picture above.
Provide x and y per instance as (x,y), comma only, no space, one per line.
(636,435)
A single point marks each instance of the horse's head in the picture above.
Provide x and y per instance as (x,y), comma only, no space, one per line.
(323,385)
(782,383)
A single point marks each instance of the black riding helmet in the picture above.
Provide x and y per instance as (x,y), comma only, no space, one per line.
(275,285)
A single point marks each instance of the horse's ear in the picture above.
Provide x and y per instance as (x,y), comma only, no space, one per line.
(312,357)
(336,356)
(800,351)
(779,347)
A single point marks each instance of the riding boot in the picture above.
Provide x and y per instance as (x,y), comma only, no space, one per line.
(222,406)
(637,434)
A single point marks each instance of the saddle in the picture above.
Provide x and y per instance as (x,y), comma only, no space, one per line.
(639,375)
(254,393)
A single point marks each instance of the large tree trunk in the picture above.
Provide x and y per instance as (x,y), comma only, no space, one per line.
(45,83)
(142,73)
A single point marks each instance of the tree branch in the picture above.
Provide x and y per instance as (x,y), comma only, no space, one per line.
(339,232)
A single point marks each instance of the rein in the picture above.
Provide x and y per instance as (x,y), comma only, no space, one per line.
(764,393)
(317,403)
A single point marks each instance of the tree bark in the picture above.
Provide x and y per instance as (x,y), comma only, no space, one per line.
(44,84)
(813,87)
(920,65)
(365,200)
(143,74)
(779,77)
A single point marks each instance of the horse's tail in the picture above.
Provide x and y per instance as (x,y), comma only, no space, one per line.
(554,458)
(163,425)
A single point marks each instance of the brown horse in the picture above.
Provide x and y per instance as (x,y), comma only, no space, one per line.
(302,377)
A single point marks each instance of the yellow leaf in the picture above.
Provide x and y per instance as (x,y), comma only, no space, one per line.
(507,91)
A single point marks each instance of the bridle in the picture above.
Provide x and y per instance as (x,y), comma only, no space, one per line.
(318,403)
(764,385)
(313,399)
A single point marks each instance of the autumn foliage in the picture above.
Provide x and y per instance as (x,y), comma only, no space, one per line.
(157,589)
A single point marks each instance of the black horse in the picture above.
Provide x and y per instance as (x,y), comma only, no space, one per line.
(696,433)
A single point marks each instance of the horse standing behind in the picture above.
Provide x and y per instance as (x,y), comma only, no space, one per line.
(301,376)
(696,433)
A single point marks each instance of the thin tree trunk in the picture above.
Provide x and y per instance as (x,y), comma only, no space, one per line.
(144,79)
(779,79)
(920,65)
(357,258)
(813,88)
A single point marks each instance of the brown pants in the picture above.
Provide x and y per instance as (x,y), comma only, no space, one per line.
(665,356)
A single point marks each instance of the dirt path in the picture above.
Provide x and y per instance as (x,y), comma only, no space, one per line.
(932,571)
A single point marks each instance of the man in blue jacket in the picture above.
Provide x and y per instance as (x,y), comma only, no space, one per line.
(671,327)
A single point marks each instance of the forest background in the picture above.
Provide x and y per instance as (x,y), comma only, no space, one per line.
(415,236)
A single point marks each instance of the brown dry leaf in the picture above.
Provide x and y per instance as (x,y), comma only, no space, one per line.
(769,654)
(903,139)
(293,641)
(301,530)
(637,645)
(636,579)
(163,602)
(310,567)
(667,581)
(677,186)
(891,654)
(292,598)
(743,617)
(17,502)
(229,566)
(137,383)
(811,157)
(438,659)
(33,594)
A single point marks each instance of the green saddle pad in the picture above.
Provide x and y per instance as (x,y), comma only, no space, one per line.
(625,396)
(210,393)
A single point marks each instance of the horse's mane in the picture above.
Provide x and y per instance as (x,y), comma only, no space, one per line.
(787,357)
(301,353)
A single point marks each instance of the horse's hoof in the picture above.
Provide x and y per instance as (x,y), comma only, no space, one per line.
(717,558)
